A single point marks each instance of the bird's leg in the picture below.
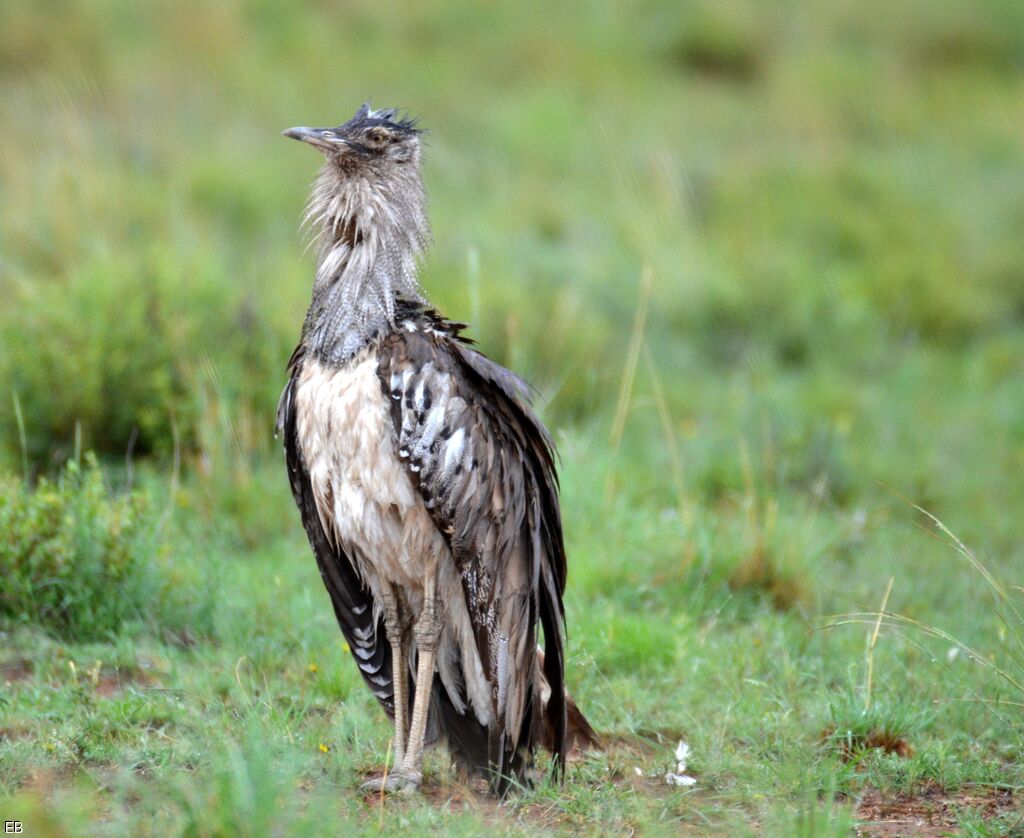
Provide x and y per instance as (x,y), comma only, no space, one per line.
(396,625)
(427,631)
(408,774)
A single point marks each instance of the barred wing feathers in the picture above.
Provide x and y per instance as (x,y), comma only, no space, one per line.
(484,465)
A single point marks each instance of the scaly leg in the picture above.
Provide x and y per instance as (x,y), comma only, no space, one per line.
(408,774)
(427,632)
(396,625)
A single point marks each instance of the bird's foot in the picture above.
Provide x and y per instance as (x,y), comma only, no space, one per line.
(395,782)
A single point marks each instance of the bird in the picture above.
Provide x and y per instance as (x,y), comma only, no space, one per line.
(426,483)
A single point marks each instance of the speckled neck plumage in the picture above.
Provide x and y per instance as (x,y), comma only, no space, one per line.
(370,227)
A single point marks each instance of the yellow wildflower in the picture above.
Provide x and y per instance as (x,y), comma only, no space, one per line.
(323,748)
(313,668)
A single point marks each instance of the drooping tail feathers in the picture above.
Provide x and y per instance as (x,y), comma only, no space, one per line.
(468,740)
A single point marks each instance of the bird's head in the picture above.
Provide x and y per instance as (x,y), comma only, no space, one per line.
(367,209)
(371,140)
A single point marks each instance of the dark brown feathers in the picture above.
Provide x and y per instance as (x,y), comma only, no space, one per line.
(484,465)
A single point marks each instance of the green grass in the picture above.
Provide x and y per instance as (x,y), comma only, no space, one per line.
(826,200)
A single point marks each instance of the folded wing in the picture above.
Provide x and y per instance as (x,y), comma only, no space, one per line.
(484,466)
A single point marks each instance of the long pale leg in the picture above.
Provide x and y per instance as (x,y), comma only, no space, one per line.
(396,625)
(427,632)
(408,773)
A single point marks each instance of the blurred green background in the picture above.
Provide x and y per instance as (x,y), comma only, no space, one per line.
(827,188)
(764,263)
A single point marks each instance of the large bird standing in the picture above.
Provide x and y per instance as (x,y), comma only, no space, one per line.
(426,484)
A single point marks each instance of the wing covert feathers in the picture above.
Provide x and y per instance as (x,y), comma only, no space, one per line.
(484,465)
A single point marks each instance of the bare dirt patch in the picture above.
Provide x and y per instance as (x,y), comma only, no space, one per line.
(450,793)
(637,762)
(13,671)
(109,680)
(931,811)
(43,781)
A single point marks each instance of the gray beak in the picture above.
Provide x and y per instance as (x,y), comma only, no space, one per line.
(321,137)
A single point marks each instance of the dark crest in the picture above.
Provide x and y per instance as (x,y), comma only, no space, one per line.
(390,118)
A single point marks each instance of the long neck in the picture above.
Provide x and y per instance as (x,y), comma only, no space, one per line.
(370,233)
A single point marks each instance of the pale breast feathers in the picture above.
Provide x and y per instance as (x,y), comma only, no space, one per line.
(364,496)
(353,602)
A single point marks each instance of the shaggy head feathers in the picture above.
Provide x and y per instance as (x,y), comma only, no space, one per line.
(367,215)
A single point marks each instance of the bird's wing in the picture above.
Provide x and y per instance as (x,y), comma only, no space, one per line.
(484,465)
(353,603)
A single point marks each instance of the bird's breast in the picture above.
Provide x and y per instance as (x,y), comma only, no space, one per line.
(364,496)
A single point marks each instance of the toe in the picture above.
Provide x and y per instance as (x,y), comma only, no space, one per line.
(371,786)
(396,781)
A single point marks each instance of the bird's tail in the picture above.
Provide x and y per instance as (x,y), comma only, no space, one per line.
(480,751)
(580,737)
(469,741)
(466,738)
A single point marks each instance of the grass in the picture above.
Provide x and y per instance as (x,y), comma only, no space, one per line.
(764,268)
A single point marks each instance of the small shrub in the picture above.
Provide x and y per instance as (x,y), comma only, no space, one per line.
(121,351)
(81,562)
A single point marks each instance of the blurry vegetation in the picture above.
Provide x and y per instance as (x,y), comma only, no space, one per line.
(81,562)
(720,40)
(825,201)
(124,348)
(815,185)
